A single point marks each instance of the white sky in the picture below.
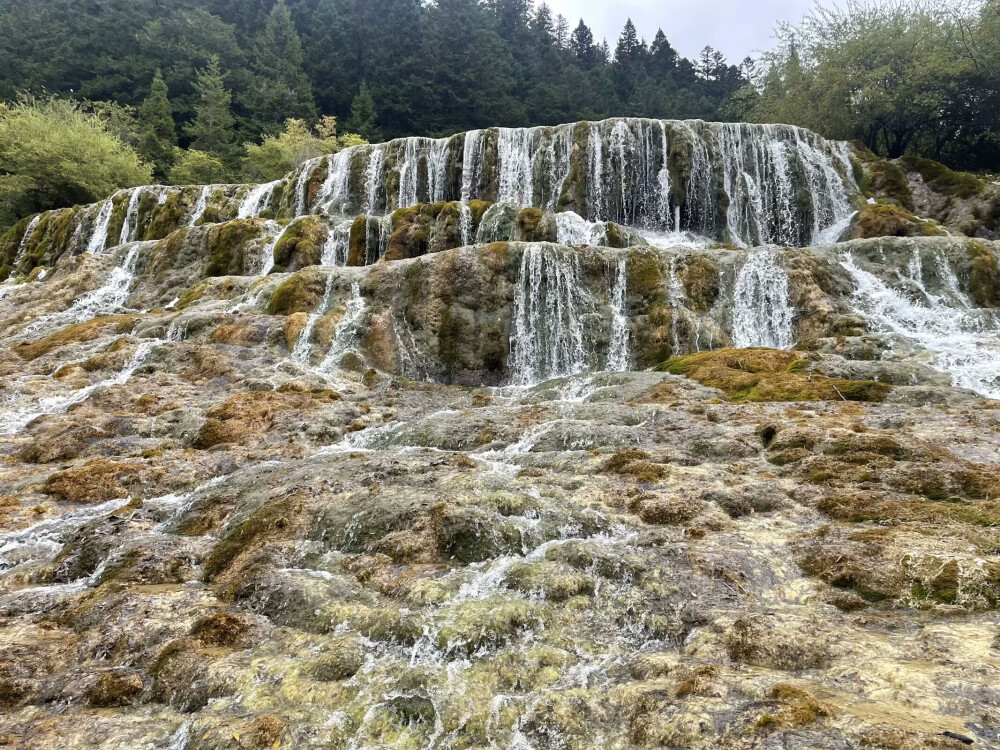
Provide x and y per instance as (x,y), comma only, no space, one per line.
(736,27)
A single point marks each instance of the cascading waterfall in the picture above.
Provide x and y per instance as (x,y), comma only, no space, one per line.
(202,204)
(409,173)
(516,179)
(965,342)
(301,198)
(761,313)
(337,245)
(618,352)
(573,229)
(548,305)
(437,170)
(347,337)
(472,158)
(256,200)
(22,248)
(374,178)
(130,225)
(99,237)
(303,345)
(334,194)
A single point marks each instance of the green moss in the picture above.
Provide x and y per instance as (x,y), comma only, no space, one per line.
(300,245)
(10,242)
(883,179)
(645,278)
(472,626)
(358,248)
(51,239)
(118,213)
(768,375)
(984,275)
(226,245)
(943,180)
(700,277)
(531,226)
(885,220)
(300,293)
(167,217)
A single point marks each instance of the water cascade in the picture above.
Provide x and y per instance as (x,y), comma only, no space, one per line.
(202,204)
(618,352)
(548,305)
(347,337)
(965,342)
(22,248)
(99,235)
(303,345)
(337,245)
(761,313)
(256,200)
(472,158)
(573,229)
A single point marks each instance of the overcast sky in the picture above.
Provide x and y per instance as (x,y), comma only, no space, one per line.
(736,27)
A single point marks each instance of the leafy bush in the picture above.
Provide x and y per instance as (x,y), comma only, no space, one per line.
(55,153)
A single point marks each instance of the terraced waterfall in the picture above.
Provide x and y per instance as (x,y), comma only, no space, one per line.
(622,434)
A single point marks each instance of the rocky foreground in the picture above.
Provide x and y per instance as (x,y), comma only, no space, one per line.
(215,535)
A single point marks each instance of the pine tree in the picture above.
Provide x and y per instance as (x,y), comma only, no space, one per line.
(211,131)
(364,117)
(562,32)
(582,45)
(158,136)
(285,90)
(663,57)
(629,47)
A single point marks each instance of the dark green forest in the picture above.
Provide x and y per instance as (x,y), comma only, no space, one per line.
(205,91)
(431,69)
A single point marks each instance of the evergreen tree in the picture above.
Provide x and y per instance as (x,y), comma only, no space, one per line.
(662,56)
(212,130)
(285,91)
(364,118)
(582,45)
(562,32)
(629,49)
(158,136)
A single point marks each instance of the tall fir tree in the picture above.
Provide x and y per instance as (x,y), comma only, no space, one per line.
(364,117)
(158,134)
(212,130)
(582,45)
(285,91)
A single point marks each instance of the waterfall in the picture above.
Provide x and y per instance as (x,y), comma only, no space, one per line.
(701,201)
(761,313)
(256,200)
(17,420)
(437,170)
(473,154)
(963,343)
(595,177)
(202,204)
(374,178)
(409,174)
(514,164)
(675,298)
(99,237)
(830,200)
(303,345)
(573,229)
(337,245)
(347,337)
(266,263)
(301,186)
(335,191)
(618,352)
(547,340)
(22,248)
(556,165)
(130,225)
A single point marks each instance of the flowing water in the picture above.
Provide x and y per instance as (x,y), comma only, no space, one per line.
(256,200)
(547,341)
(99,235)
(22,248)
(347,337)
(618,352)
(762,315)
(964,343)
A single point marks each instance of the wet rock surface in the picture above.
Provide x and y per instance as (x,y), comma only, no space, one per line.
(607,491)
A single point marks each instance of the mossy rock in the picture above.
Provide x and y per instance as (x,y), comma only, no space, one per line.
(984,275)
(885,220)
(298,294)
(96,481)
(167,217)
(884,179)
(766,375)
(226,246)
(533,225)
(700,277)
(357,253)
(301,245)
(87,331)
(941,179)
